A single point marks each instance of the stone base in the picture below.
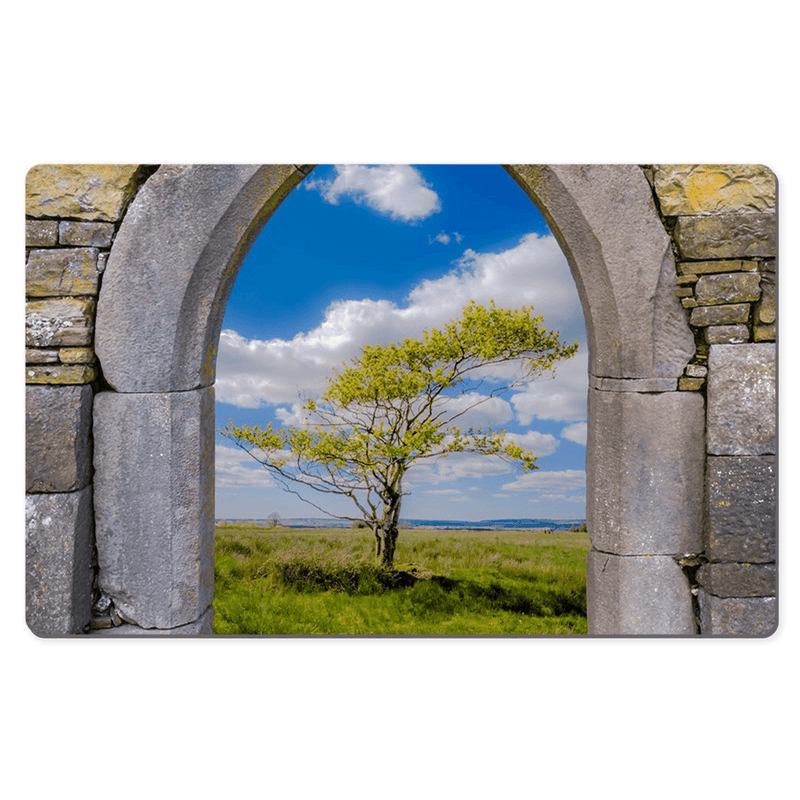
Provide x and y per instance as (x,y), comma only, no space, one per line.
(737,616)
(200,627)
(637,595)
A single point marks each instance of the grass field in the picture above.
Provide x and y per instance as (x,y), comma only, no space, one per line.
(451,583)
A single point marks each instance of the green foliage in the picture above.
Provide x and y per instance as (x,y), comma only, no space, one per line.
(462,583)
(395,405)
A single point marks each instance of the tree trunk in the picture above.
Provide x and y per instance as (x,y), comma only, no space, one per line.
(389,536)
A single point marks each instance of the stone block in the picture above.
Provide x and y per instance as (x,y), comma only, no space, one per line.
(59,374)
(154,504)
(645,462)
(86,234)
(637,595)
(727,334)
(705,267)
(741,235)
(88,192)
(764,333)
(59,322)
(690,384)
(58,586)
(733,287)
(41,356)
(739,580)
(737,616)
(76,355)
(62,272)
(200,627)
(58,426)
(41,233)
(741,399)
(713,188)
(741,523)
(735,314)
(767,306)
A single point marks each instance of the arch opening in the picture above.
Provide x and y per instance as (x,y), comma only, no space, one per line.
(188,235)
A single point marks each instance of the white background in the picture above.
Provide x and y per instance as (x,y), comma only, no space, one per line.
(417,82)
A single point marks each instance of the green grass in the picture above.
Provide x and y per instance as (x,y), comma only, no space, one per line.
(453,583)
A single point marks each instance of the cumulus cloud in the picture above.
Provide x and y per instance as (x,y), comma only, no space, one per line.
(445,238)
(236,470)
(399,192)
(253,373)
(561,398)
(576,433)
(568,485)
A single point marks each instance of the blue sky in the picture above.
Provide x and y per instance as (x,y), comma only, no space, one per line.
(366,254)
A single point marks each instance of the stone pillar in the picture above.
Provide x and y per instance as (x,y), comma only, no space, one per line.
(155,539)
(644,505)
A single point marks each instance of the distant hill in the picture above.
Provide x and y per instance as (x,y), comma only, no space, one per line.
(458,524)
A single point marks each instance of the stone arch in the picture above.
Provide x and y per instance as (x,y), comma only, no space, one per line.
(159,313)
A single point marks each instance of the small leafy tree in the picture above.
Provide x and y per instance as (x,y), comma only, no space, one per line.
(394,406)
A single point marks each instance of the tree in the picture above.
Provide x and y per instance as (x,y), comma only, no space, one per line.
(395,405)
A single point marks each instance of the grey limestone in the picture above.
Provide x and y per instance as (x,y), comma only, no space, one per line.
(621,257)
(733,287)
(741,518)
(172,266)
(58,586)
(62,272)
(154,504)
(59,322)
(739,580)
(199,627)
(733,235)
(41,233)
(58,424)
(737,616)
(645,459)
(742,399)
(637,595)
(85,234)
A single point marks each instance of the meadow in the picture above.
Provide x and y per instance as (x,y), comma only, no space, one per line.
(280,581)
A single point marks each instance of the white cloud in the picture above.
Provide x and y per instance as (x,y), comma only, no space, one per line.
(576,433)
(548,485)
(540,444)
(236,470)
(456,466)
(561,398)
(399,192)
(253,373)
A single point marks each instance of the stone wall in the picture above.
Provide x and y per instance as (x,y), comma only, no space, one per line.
(73,213)
(722,220)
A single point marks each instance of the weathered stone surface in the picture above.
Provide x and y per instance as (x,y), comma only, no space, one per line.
(67,322)
(705,267)
(741,521)
(734,287)
(171,269)
(690,384)
(735,314)
(59,374)
(696,371)
(41,233)
(89,192)
(86,234)
(766,306)
(727,334)
(200,627)
(41,356)
(58,425)
(645,459)
(734,616)
(637,595)
(764,333)
(739,580)
(741,399)
(713,188)
(154,504)
(58,586)
(606,221)
(726,236)
(62,272)
(76,355)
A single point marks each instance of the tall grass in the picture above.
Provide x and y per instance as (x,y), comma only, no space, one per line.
(444,583)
